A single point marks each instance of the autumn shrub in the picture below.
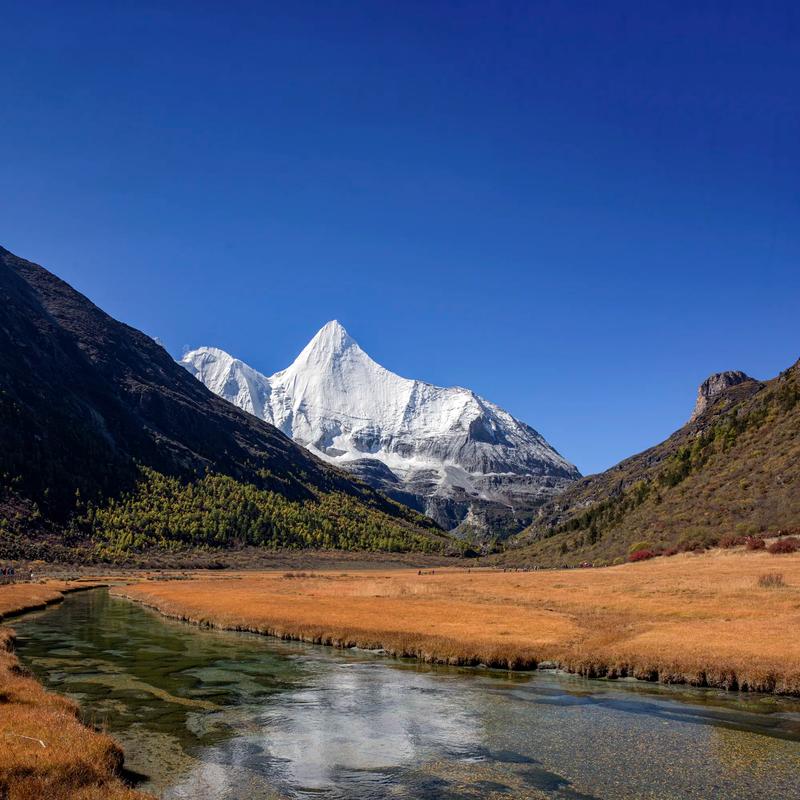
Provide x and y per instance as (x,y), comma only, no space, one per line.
(732,541)
(745,529)
(772,580)
(788,545)
(755,543)
(695,540)
(642,555)
(671,551)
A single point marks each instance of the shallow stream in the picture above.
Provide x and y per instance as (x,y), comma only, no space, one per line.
(213,715)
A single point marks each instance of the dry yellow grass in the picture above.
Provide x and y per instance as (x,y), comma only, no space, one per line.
(45,750)
(697,619)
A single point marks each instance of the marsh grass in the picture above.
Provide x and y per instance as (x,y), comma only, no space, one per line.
(700,619)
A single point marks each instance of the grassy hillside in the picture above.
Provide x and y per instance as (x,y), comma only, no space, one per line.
(104,434)
(735,470)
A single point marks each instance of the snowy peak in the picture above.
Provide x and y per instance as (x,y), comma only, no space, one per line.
(331,342)
(331,347)
(435,442)
(230,378)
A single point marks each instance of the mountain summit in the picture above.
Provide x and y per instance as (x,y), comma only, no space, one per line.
(330,342)
(446,451)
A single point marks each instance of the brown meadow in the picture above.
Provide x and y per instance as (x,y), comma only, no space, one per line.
(701,619)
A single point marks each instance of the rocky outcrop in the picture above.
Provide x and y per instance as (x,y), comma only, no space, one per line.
(713,386)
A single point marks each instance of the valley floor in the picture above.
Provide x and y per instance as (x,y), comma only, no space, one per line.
(45,750)
(714,619)
(705,620)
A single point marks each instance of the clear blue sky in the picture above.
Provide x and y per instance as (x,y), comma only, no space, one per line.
(577,209)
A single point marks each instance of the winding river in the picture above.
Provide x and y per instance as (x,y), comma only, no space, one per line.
(215,715)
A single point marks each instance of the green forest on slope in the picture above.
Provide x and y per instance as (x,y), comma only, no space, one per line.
(219,512)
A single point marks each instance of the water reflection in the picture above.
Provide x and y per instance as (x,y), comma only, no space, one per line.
(361,718)
(227,716)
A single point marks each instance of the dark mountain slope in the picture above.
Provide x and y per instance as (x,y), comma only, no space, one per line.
(86,402)
(732,469)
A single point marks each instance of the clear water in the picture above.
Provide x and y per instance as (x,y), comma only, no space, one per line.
(206,714)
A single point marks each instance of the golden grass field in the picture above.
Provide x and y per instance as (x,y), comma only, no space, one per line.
(46,753)
(698,619)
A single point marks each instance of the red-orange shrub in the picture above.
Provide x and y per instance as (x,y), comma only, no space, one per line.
(642,555)
(789,545)
(732,541)
(755,543)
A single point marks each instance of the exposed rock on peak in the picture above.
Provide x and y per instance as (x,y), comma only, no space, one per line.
(713,386)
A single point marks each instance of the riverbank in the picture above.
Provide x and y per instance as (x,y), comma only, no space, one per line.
(705,620)
(47,752)
(244,559)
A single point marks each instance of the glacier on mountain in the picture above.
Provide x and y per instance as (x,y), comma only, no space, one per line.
(446,451)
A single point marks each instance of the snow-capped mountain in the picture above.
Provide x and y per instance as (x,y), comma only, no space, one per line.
(448,452)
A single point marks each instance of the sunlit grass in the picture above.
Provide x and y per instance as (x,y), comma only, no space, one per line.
(702,619)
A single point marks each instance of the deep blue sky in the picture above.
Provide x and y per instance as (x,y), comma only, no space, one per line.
(579,210)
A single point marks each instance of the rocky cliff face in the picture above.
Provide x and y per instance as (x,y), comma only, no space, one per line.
(448,452)
(713,386)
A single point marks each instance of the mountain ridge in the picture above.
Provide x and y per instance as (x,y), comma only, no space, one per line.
(732,470)
(87,403)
